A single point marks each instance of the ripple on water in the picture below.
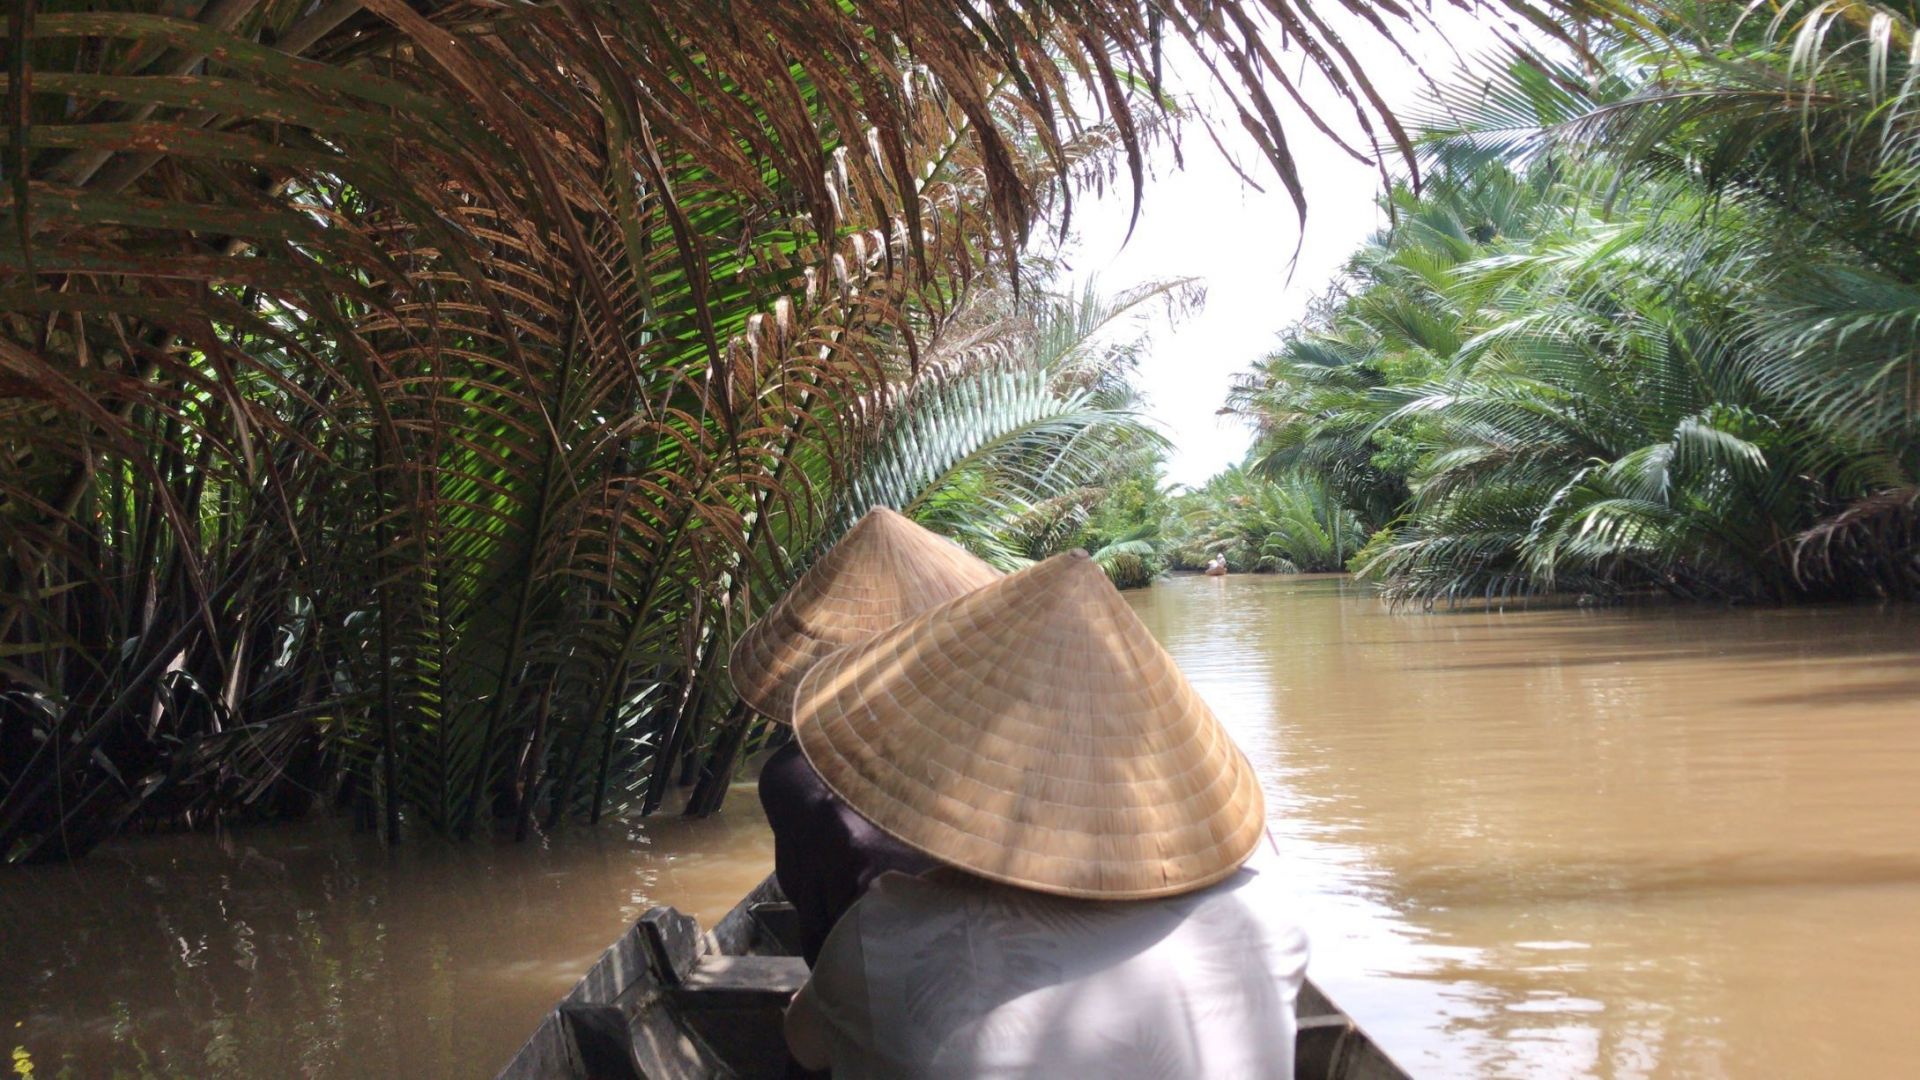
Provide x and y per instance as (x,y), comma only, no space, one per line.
(1661,841)
(1595,842)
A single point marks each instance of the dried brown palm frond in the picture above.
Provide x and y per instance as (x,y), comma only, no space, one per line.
(1873,545)
(412,394)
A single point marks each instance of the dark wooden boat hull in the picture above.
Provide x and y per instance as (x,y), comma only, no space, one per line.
(668,1001)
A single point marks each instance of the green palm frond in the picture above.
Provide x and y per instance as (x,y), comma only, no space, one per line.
(1671,290)
(1129,561)
(436,387)
(1003,424)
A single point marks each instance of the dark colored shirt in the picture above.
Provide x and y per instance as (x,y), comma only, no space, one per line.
(824,854)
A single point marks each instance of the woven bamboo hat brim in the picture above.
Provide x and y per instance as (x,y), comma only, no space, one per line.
(1033,732)
(884,570)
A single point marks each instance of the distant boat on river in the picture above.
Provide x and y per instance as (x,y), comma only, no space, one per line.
(668,1001)
(1218,567)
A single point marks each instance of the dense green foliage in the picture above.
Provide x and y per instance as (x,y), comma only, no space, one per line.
(1653,325)
(1018,428)
(1116,517)
(1290,525)
(405,404)
(1137,527)
(1024,439)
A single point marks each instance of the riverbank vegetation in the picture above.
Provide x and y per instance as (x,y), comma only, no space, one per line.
(1022,423)
(1651,322)
(1289,524)
(406,404)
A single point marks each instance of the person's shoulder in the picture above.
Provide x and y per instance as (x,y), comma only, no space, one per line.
(1260,878)
(891,901)
(1253,902)
(916,896)
(787,778)
(898,884)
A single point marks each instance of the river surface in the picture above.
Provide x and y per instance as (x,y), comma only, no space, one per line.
(1555,843)
(1616,842)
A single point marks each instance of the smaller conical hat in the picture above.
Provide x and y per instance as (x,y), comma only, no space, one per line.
(1033,732)
(884,570)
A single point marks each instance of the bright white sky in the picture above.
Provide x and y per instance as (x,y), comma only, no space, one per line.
(1203,221)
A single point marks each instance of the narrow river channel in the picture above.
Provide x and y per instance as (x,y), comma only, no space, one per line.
(1557,843)
(1616,842)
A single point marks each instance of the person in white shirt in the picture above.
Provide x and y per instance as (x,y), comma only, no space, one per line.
(1097,914)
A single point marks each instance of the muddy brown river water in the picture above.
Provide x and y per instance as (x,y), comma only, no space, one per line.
(1556,843)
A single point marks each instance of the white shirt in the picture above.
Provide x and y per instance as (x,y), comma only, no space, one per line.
(950,976)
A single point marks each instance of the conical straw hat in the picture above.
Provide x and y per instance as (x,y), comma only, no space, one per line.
(884,570)
(1033,732)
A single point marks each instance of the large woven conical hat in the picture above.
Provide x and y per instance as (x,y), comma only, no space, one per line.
(884,570)
(1033,732)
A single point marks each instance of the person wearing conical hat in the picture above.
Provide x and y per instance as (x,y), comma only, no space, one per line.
(1096,913)
(883,571)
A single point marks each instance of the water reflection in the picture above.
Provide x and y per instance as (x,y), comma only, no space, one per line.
(309,951)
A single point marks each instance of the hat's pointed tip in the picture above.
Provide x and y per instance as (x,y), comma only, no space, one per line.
(1071,566)
(886,568)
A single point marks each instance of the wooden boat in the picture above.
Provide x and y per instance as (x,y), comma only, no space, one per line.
(668,1001)
(1216,570)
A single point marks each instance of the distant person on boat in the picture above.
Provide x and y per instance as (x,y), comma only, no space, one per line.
(884,570)
(1217,567)
(1097,914)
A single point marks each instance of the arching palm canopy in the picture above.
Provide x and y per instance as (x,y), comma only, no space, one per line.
(404,400)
